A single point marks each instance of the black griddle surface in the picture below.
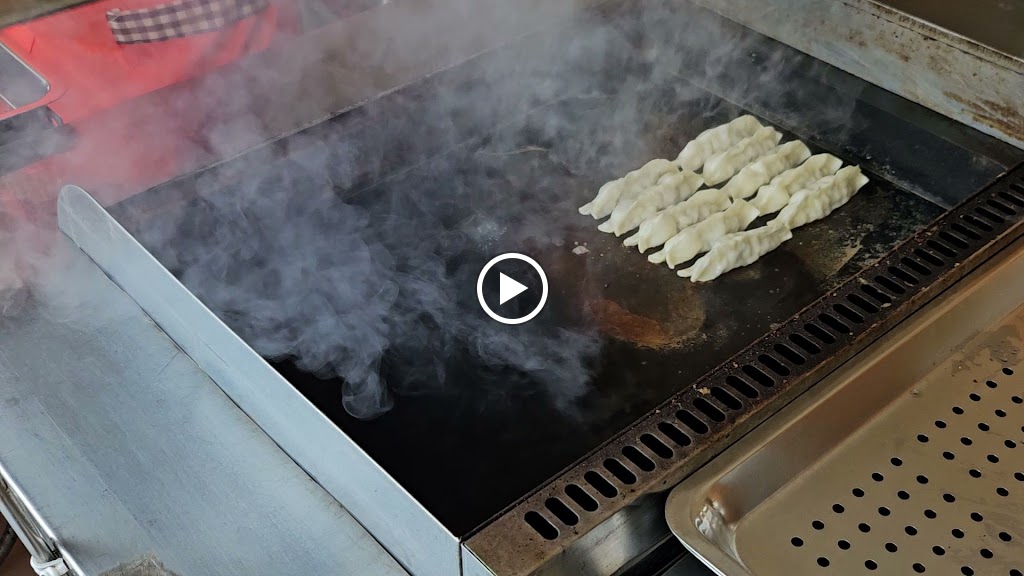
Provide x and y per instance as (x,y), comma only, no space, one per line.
(470,163)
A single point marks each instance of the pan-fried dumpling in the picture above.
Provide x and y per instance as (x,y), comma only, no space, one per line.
(627,187)
(775,195)
(671,189)
(667,223)
(747,181)
(711,142)
(736,250)
(701,237)
(821,198)
(725,165)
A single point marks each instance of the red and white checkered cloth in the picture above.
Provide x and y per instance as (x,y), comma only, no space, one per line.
(178,18)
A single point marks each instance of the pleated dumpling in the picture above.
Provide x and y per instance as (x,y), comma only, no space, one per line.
(735,251)
(702,236)
(672,188)
(667,223)
(744,184)
(623,189)
(819,200)
(716,140)
(774,196)
(725,165)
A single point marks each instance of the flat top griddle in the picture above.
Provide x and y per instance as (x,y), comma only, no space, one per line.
(431,181)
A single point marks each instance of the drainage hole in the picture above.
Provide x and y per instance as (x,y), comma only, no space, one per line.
(822,335)
(959,243)
(709,410)
(958,410)
(975,473)
(541,525)
(1011,198)
(1010,444)
(991,384)
(957,533)
(759,376)
(774,365)
(818,525)
(1008,371)
(638,458)
(975,222)
(941,248)
(986,553)
(966,441)
(896,461)
(966,571)
(977,517)
(922,479)
(804,344)
(930,514)
(864,527)
(940,424)
(884,511)
(674,434)
(890,285)
(911,531)
(823,562)
(1001,207)
(739,385)
(599,483)
(1005,537)
(656,446)
(876,294)
(562,512)
(843,545)
(890,547)
(963,231)
(1017,400)
(918,567)
(983,426)
(848,313)
(928,257)
(619,471)
(1019,476)
(903,495)
(834,323)
(1002,492)
(938,550)
(838,508)
(692,422)
(790,354)
(580,497)
(860,493)
(922,438)
(1000,413)
(797,542)
(903,275)
(1016,572)
(948,455)
(916,266)
(949,497)
(993,458)
(974,397)
(870,564)
(877,477)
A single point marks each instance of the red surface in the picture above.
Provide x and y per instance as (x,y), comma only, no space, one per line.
(75,50)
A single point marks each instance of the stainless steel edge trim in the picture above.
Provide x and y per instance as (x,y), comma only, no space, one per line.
(406,530)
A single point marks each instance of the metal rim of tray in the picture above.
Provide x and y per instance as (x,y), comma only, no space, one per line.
(684,432)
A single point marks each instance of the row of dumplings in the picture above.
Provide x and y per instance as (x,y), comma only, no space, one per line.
(666,201)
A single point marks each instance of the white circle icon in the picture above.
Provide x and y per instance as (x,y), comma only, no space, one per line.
(509,288)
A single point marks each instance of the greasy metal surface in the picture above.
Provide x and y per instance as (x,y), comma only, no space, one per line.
(995,23)
(923,62)
(905,460)
(122,447)
(683,432)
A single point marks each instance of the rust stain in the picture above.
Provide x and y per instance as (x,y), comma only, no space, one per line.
(675,328)
(998,115)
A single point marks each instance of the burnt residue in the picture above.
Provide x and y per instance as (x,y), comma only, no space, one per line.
(1005,117)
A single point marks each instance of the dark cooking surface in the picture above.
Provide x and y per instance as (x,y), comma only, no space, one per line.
(459,170)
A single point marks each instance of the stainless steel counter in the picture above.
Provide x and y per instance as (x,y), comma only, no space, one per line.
(123,448)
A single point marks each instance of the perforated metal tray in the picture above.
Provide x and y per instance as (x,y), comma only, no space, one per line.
(908,459)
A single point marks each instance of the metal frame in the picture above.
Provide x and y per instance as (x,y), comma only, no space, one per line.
(406,530)
(731,400)
(956,76)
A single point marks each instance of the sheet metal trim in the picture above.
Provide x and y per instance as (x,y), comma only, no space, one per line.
(406,529)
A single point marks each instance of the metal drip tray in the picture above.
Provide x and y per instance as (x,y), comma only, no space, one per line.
(908,459)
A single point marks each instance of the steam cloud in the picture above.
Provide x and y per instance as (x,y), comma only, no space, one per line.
(370,288)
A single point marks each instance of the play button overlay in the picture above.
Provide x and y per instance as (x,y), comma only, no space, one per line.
(512,288)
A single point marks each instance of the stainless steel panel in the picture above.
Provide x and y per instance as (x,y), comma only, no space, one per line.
(404,527)
(903,461)
(949,73)
(122,448)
